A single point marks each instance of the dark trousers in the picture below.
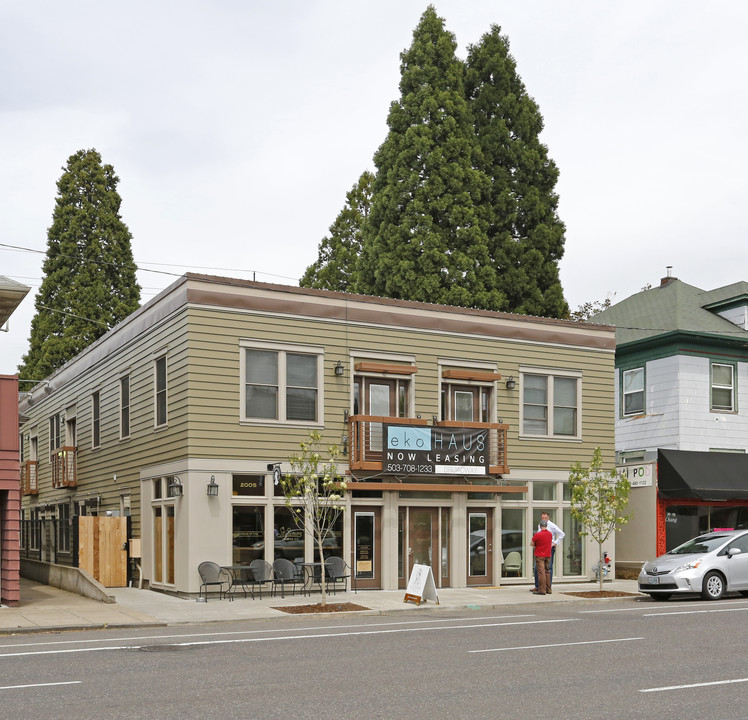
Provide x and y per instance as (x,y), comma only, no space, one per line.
(544,576)
(550,570)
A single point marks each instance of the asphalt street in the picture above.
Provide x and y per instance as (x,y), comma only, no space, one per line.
(623,659)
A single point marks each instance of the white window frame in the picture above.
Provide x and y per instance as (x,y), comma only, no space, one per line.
(156,391)
(625,394)
(550,375)
(55,433)
(283,350)
(714,386)
(95,419)
(122,407)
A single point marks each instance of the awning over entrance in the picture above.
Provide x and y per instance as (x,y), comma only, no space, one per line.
(702,475)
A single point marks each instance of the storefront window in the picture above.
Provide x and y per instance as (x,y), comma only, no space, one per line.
(514,542)
(571,546)
(288,536)
(248,534)
(543,491)
(683,522)
(332,541)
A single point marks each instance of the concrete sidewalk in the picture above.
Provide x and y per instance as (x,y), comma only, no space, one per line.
(46,608)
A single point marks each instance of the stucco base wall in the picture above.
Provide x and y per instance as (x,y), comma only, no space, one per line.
(75,580)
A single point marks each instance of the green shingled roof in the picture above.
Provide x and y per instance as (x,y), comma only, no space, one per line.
(674,307)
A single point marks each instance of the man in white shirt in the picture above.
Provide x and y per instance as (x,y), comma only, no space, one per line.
(558,536)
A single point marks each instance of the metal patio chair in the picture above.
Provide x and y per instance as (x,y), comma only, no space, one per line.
(213,575)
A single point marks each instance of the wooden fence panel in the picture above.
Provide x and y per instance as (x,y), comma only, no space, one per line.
(102,549)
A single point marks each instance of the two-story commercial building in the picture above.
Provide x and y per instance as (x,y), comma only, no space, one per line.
(681,413)
(459,427)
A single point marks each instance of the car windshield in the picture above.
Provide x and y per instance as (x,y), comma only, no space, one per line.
(701,544)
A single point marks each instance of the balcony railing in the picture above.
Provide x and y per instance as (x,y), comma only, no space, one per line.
(28,477)
(366,433)
(64,467)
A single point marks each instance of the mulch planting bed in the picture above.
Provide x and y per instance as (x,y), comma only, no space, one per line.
(319,608)
(602,594)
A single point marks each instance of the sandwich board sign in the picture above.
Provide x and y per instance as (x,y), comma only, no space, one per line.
(421,586)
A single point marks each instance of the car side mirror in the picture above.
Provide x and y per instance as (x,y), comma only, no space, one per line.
(733,551)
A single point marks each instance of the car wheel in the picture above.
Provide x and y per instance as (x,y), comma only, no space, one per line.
(660,596)
(713,587)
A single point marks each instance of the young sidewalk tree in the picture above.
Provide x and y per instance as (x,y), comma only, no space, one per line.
(313,493)
(338,254)
(598,499)
(89,282)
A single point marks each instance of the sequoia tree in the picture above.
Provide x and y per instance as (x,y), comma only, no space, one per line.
(427,234)
(336,262)
(89,281)
(526,236)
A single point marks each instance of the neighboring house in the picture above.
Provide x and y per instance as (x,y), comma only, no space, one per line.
(179,416)
(681,412)
(11,295)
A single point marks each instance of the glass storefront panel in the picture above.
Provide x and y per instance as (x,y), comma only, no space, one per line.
(572,548)
(683,522)
(363,543)
(445,548)
(332,542)
(248,535)
(543,491)
(514,542)
(288,538)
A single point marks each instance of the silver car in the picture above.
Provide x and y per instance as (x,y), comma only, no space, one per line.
(710,564)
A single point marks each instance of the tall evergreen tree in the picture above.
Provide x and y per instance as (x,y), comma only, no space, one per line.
(338,253)
(526,236)
(89,281)
(427,238)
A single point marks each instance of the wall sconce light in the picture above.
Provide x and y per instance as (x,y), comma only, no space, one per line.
(175,487)
(339,369)
(212,488)
(344,441)
(511,383)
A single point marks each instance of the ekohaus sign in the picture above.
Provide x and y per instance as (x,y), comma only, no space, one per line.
(435,450)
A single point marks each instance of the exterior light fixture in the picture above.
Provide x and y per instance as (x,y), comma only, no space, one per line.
(511,383)
(175,487)
(339,369)
(212,487)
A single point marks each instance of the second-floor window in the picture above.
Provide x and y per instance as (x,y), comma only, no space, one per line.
(723,387)
(381,396)
(633,391)
(466,403)
(159,371)
(124,406)
(550,405)
(55,432)
(281,385)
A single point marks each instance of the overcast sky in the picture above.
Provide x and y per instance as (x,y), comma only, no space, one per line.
(237,126)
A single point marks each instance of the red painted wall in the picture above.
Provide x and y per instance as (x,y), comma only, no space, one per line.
(10,493)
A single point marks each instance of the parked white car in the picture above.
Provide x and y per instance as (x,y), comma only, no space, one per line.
(711,564)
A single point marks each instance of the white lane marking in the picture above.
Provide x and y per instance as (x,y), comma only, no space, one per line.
(536,647)
(35,685)
(694,612)
(250,632)
(694,685)
(649,605)
(285,637)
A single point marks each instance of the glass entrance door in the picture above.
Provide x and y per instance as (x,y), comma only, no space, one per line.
(480,547)
(367,533)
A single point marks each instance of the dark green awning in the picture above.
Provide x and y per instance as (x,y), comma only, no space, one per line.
(702,475)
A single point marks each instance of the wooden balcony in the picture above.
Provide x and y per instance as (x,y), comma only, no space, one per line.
(366,435)
(28,478)
(65,467)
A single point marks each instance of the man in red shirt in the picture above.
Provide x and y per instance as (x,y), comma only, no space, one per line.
(542,541)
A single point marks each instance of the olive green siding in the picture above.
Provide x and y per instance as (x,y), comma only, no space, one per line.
(215,382)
